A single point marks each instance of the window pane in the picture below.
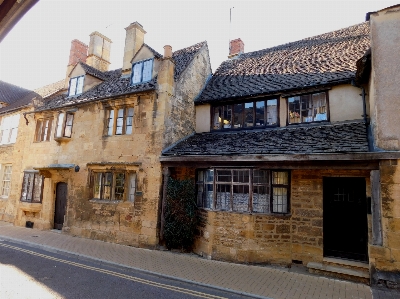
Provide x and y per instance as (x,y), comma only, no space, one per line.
(280,178)
(319,106)
(6,182)
(227,119)
(119,186)
(137,72)
(306,108)
(224,176)
(261,198)
(60,122)
(223,197)
(45,129)
(241,198)
(210,176)
(272,112)
(72,86)
(238,115)
(248,112)
(110,124)
(79,88)
(37,188)
(132,187)
(129,121)
(241,176)
(260,110)
(68,125)
(200,187)
(279,200)
(294,110)
(147,70)
(209,196)
(120,122)
(217,123)
(97,185)
(26,194)
(107,186)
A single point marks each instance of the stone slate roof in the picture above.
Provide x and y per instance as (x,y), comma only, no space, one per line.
(184,56)
(15,96)
(50,89)
(325,59)
(93,71)
(114,84)
(346,137)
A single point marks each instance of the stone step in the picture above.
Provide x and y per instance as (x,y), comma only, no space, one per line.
(356,272)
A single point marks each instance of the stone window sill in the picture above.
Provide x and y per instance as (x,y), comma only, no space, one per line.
(248,213)
(28,207)
(62,139)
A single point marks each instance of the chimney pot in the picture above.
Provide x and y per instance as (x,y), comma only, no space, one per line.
(167,51)
(236,47)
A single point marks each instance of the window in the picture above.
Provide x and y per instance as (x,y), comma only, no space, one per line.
(243,190)
(76,85)
(6,180)
(9,129)
(308,108)
(114,185)
(64,125)
(142,71)
(254,114)
(32,187)
(119,121)
(43,129)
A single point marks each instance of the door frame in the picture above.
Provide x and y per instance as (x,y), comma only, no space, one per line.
(346,255)
(55,204)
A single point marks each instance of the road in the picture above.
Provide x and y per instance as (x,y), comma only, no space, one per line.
(29,272)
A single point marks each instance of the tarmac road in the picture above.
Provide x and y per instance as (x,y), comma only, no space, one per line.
(29,272)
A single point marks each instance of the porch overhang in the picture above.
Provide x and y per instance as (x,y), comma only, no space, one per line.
(364,160)
(46,170)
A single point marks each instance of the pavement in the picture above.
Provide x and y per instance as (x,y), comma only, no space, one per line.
(258,281)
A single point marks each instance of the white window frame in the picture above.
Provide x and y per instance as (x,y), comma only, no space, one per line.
(97,179)
(9,129)
(32,181)
(76,85)
(43,129)
(5,190)
(65,121)
(142,71)
(117,123)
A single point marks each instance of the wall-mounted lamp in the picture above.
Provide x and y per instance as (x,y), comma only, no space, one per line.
(77,168)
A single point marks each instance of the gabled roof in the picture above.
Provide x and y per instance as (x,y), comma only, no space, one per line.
(184,56)
(93,71)
(114,84)
(15,96)
(347,137)
(155,53)
(326,59)
(50,89)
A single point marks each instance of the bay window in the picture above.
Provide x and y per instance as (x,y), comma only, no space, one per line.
(243,190)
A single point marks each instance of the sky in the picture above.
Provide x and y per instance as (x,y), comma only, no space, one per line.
(35,53)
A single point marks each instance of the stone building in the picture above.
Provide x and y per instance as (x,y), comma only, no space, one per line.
(296,152)
(90,164)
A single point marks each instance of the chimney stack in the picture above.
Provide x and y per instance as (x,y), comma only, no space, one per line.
(99,51)
(236,47)
(133,42)
(167,51)
(77,53)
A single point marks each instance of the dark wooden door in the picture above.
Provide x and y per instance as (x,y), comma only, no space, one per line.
(345,218)
(61,203)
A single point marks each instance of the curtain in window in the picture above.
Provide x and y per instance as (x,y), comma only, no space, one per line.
(147,70)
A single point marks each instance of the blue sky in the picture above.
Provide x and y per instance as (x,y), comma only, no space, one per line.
(36,51)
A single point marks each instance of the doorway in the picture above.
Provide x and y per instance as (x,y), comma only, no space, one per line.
(60,205)
(345,227)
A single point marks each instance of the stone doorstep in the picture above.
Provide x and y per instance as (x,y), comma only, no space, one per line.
(338,269)
(347,263)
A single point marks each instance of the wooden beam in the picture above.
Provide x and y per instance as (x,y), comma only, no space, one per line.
(376,208)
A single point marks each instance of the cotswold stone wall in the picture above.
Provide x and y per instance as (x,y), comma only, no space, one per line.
(278,239)
(181,118)
(385,258)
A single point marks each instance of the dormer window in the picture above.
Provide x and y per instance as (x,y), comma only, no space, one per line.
(142,71)
(308,108)
(76,85)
